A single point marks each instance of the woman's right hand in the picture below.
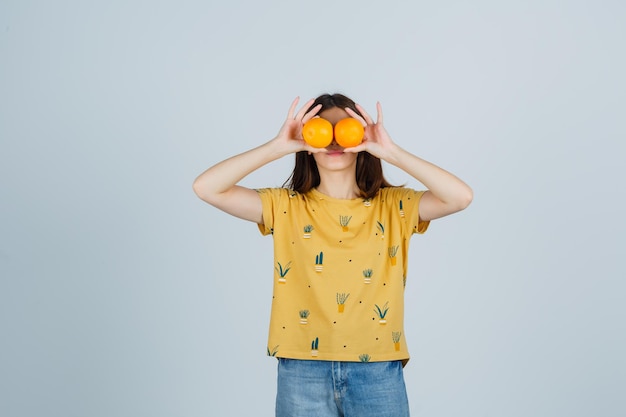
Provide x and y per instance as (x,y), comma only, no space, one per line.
(289,137)
(218,185)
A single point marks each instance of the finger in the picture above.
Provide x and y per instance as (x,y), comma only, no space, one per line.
(311,149)
(292,108)
(356,115)
(379,109)
(355,149)
(311,114)
(366,116)
(304,109)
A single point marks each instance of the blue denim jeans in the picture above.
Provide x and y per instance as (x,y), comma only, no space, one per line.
(340,389)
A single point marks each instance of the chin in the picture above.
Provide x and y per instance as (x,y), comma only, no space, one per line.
(336,161)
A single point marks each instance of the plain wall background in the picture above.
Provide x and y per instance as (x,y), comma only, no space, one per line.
(122,294)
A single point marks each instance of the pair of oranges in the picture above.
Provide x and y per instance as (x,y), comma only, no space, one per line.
(318,132)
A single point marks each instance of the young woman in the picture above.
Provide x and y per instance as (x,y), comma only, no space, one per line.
(341,235)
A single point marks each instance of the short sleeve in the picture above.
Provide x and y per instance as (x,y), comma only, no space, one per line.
(270,199)
(408,201)
(419,226)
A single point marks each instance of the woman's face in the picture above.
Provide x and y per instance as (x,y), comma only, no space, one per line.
(335,159)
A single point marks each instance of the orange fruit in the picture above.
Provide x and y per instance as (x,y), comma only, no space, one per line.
(348,132)
(318,132)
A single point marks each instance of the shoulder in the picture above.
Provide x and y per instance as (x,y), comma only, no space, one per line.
(271,191)
(277,192)
(397,193)
(280,195)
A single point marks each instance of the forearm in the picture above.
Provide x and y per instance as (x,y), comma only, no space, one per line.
(223,176)
(446,187)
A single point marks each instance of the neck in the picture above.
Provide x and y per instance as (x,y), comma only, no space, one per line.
(337,185)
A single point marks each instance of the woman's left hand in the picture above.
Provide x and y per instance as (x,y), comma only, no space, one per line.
(446,193)
(376,140)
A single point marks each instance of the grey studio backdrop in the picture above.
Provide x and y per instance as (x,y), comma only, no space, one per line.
(122,294)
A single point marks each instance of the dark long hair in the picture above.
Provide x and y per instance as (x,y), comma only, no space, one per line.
(369,170)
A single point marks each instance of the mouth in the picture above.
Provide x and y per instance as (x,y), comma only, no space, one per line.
(334,151)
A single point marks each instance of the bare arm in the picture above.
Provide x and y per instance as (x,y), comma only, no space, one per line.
(218,184)
(446,193)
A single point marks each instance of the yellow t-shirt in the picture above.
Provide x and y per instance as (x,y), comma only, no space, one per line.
(339,273)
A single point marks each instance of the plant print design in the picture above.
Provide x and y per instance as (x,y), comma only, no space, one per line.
(319,262)
(314,346)
(395,337)
(341,301)
(282,272)
(381,229)
(307,231)
(367,276)
(344,221)
(365,358)
(393,251)
(404,281)
(367,202)
(401,209)
(382,312)
(273,351)
(304,316)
